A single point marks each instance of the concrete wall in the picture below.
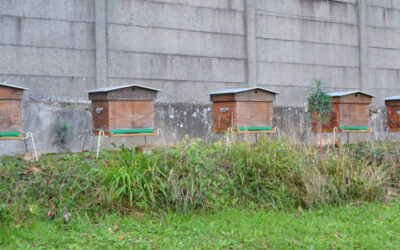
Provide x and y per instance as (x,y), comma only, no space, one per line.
(384,47)
(299,41)
(186,48)
(60,48)
(48,46)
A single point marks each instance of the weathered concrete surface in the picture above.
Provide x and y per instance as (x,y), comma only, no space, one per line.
(175,120)
(188,48)
(101,42)
(251,19)
(42,118)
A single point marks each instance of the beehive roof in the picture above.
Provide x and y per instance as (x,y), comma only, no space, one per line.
(238,90)
(12,86)
(107,89)
(339,94)
(393,98)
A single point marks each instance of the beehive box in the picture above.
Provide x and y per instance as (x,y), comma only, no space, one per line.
(245,110)
(350,113)
(10,111)
(393,113)
(123,110)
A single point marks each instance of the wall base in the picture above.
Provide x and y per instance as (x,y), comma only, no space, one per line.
(175,120)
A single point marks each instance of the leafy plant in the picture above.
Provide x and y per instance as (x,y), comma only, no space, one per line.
(319,107)
(61,133)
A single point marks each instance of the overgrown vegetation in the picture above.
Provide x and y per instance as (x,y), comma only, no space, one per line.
(197,175)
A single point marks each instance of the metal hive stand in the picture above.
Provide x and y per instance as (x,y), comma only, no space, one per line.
(238,132)
(101,133)
(340,130)
(24,136)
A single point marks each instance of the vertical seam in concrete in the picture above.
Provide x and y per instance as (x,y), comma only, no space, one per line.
(251,42)
(101,43)
(363,43)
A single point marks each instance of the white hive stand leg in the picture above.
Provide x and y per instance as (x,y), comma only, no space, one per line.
(160,132)
(335,129)
(375,134)
(230,130)
(101,133)
(278,132)
(30,135)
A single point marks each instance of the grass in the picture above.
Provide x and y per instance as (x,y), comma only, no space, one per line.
(367,226)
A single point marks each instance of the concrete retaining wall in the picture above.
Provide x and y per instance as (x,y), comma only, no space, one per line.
(60,48)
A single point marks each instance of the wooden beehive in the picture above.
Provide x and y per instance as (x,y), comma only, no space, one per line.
(10,111)
(393,113)
(350,113)
(123,110)
(247,110)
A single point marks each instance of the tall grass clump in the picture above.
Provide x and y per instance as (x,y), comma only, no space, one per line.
(129,178)
(270,173)
(342,177)
(183,177)
(196,174)
(266,173)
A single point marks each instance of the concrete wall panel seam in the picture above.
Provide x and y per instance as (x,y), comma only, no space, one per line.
(385,28)
(54,76)
(48,19)
(175,29)
(305,86)
(307,42)
(173,80)
(383,48)
(302,18)
(195,6)
(178,55)
(310,64)
(384,7)
(383,68)
(43,47)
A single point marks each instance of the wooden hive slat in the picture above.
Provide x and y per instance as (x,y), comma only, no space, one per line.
(223,114)
(131,114)
(354,115)
(10,116)
(253,114)
(100,115)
